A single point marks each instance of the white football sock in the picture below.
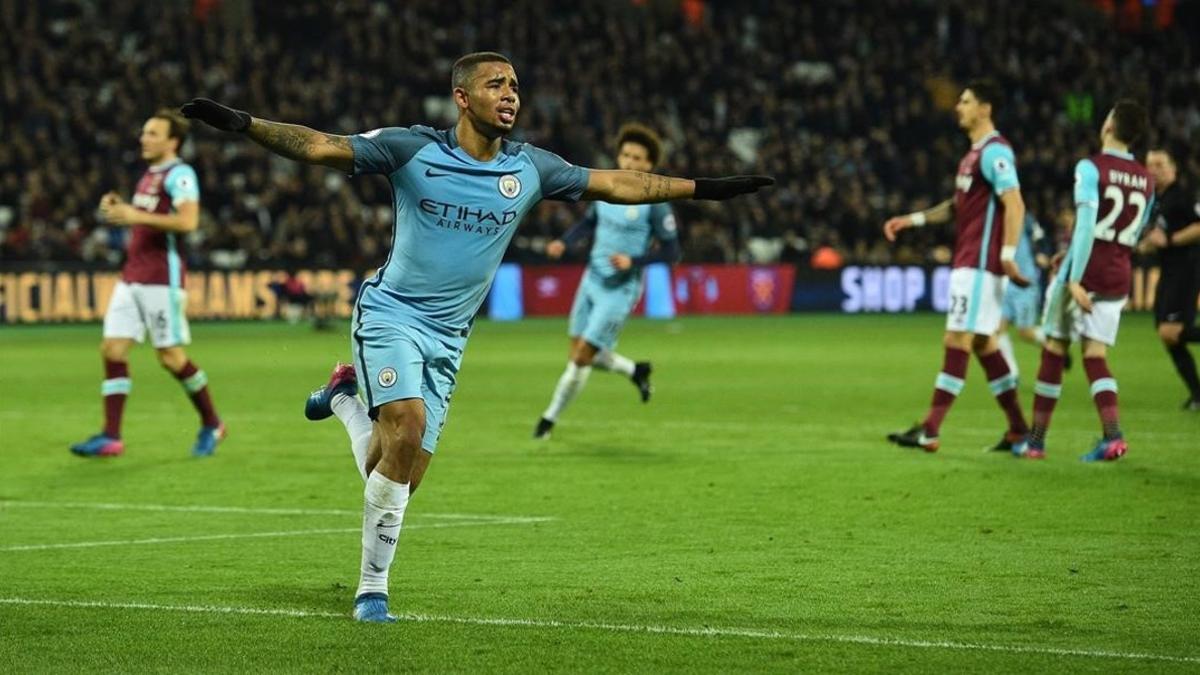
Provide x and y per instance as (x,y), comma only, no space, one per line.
(1006,349)
(354,415)
(569,386)
(612,361)
(384,502)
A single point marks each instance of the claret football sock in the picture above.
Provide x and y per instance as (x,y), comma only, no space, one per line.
(1003,384)
(1104,394)
(947,387)
(195,383)
(1047,391)
(115,389)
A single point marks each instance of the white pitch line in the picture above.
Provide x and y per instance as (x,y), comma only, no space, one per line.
(255,535)
(707,631)
(104,506)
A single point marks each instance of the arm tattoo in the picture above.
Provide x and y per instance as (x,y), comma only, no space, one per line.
(291,140)
(655,188)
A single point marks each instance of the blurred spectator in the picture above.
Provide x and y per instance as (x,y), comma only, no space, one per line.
(847,103)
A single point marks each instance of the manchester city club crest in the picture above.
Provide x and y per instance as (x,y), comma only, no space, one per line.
(510,186)
(387,377)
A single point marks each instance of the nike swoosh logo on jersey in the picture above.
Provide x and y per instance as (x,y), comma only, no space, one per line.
(430,174)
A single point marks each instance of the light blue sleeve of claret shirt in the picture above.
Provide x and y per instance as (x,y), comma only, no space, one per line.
(999,167)
(1087,202)
(560,180)
(181,183)
(385,150)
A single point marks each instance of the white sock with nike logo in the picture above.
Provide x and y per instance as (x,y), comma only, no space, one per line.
(384,502)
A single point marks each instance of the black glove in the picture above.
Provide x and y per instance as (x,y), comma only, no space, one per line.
(216,115)
(724,188)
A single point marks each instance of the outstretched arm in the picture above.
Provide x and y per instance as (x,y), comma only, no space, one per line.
(303,144)
(635,187)
(287,140)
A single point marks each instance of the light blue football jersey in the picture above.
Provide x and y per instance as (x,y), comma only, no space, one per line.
(627,229)
(1031,232)
(454,217)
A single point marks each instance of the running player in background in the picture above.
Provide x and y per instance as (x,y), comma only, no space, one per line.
(1176,237)
(1021,307)
(1114,196)
(622,238)
(988,212)
(150,295)
(459,195)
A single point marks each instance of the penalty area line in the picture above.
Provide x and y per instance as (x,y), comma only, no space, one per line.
(707,631)
(190,508)
(256,535)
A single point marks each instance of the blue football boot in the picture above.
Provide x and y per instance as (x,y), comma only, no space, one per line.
(343,381)
(99,446)
(372,608)
(207,439)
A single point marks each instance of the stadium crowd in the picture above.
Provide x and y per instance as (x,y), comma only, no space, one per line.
(848,104)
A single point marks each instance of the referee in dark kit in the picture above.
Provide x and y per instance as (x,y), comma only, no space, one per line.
(1176,236)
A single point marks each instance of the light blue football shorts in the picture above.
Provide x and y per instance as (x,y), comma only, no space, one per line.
(599,312)
(1021,306)
(397,359)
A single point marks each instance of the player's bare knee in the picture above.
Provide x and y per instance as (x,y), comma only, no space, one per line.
(1056,347)
(172,358)
(403,426)
(983,344)
(956,340)
(1094,350)
(1169,333)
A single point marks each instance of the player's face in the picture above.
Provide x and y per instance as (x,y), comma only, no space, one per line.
(1160,166)
(634,157)
(155,139)
(493,100)
(970,110)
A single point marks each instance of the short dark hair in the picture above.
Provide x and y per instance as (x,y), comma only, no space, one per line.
(986,91)
(1167,149)
(1130,121)
(464,67)
(632,132)
(178,126)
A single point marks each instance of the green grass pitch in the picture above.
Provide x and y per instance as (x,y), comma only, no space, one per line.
(750,518)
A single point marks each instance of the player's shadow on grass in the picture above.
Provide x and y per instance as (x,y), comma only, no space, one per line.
(330,597)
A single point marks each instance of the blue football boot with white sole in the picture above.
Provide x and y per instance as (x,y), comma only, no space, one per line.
(372,608)
(343,380)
